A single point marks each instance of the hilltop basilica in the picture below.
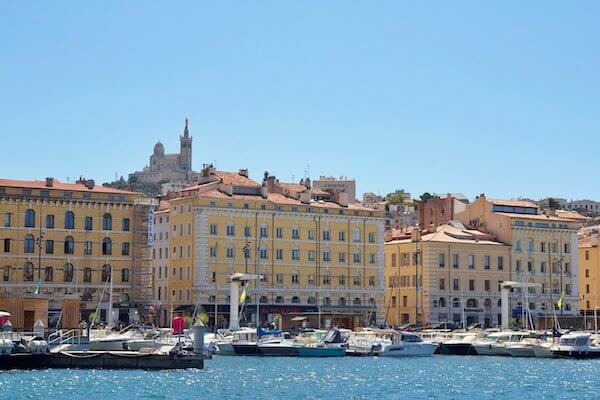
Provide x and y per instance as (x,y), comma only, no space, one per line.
(171,169)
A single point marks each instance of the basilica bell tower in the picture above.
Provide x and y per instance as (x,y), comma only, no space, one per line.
(185,150)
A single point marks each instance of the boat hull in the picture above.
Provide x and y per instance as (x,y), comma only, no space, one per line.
(277,351)
(321,352)
(245,349)
(401,350)
(225,349)
(525,351)
(456,349)
(577,354)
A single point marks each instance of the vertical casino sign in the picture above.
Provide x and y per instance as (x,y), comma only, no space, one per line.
(151,234)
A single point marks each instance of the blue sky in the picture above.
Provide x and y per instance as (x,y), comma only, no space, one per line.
(462,96)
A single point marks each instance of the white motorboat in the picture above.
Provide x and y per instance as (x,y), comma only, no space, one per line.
(110,341)
(280,344)
(494,344)
(459,343)
(406,344)
(368,341)
(576,345)
(244,342)
(523,348)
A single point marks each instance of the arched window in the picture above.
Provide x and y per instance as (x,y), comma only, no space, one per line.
(472,303)
(87,275)
(279,300)
(28,272)
(68,272)
(69,220)
(442,302)
(327,301)
(311,300)
(29,218)
(456,302)
(487,303)
(48,274)
(295,300)
(342,301)
(264,299)
(356,301)
(87,296)
(106,246)
(29,244)
(106,273)
(69,247)
(107,222)
(372,302)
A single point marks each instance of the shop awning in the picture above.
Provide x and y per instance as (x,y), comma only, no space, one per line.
(299,319)
(185,308)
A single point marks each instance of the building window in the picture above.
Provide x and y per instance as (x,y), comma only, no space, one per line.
(230,252)
(326,234)
(279,254)
(486,262)
(279,232)
(442,285)
(262,253)
(7,220)
(264,231)
(326,256)
(106,272)
(455,261)
(279,279)
(295,232)
(69,245)
(106,246)
(371,258)
(125,275)
(356,235)
(28,272)
(500,262)
(29,244)
(213,251)
(529,266)
(471,262)
(518,265)
(87,247)
(125,224)
(342,280)
(587,273)
(471,284)
(88,223)
(326,278)
(486,285)
(125,248)
(356,257)
(311,279)
(69,220)
(49,246)
(68,272)
(455,284)
(295,254)
(6,274)
(48,274)
(342,301)
(357,280)
(230,229)
(246,231)
(371,237)
(442,260)
(372,281)
(50,221)
(29,218)
(213,229)
(342,236)
(295,278)
(7,245)
(107,222)
(342,257)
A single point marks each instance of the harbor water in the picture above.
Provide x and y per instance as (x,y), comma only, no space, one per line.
(230,377)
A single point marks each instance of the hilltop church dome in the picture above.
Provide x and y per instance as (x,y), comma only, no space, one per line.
(159,149)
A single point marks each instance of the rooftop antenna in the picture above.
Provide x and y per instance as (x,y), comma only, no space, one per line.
(308,168)
(293,177)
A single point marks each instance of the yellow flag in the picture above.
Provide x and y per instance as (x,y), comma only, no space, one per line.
(560,301)
(243,296)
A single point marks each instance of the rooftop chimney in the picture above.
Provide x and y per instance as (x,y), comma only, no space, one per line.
(243,172)
(49,182)
(90,184)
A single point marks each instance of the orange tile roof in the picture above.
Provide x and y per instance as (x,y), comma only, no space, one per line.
(57,185)
(571,215)
(293,187)
(513,203)
(235,179)
(542,217)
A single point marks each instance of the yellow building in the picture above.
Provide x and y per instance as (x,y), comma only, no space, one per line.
(541,252)
(72,241)
(315,254)
(589,276)
(458,272)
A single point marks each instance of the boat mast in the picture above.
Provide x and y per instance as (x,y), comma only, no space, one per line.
(110,297)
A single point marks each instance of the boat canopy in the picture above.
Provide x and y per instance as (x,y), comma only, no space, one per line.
(333,336)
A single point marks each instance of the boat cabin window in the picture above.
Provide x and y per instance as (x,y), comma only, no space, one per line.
(410,338)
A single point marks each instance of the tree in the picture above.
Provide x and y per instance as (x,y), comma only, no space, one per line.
(427,196)
(396,198)
(553,203)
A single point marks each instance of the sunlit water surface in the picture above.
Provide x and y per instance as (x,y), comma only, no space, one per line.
(437,377)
